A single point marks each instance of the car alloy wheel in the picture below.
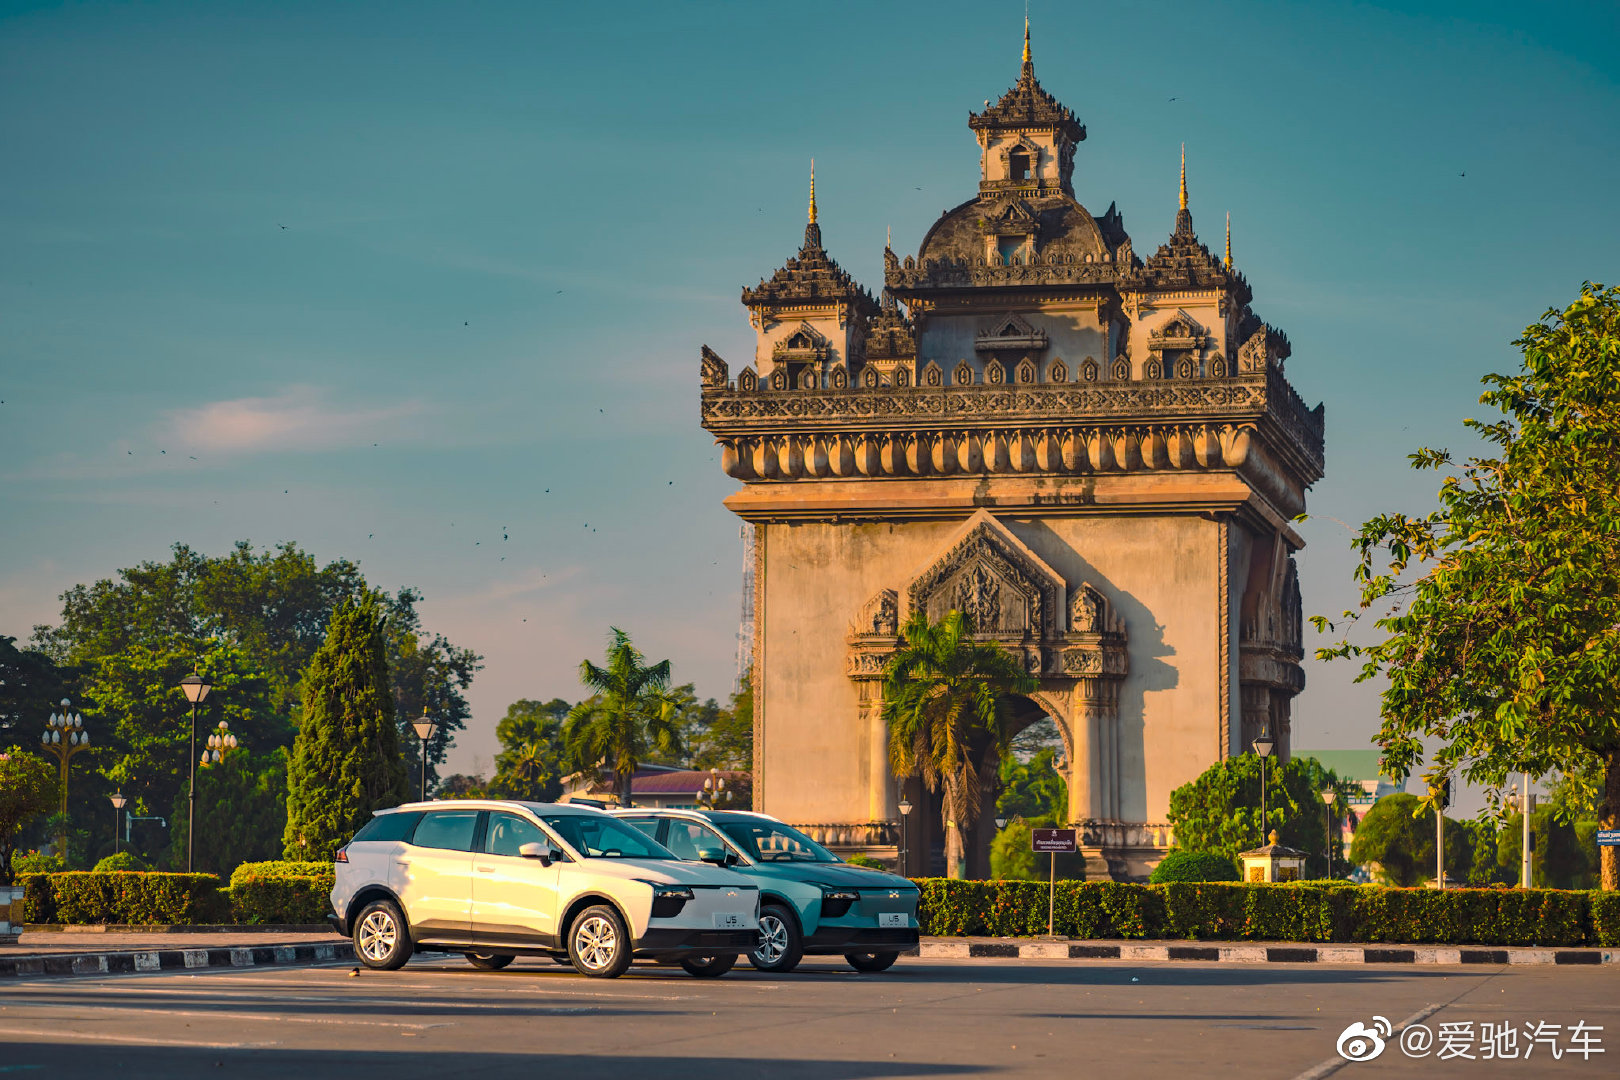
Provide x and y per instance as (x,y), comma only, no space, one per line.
(378,935)
(779,949)
(598,944)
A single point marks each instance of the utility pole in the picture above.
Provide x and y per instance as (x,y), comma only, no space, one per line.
(1527,806)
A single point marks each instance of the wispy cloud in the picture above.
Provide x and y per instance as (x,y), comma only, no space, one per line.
(299,418)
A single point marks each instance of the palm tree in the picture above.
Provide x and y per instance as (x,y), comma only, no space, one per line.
(630,713)
(944,701)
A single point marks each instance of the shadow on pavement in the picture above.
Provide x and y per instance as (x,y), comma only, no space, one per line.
(97,1062)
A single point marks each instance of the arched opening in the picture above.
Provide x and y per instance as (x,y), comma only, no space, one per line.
(1018,165)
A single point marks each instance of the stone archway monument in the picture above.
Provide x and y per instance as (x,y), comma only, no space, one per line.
(1093,457)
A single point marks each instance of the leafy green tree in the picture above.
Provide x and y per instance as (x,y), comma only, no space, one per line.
(1498,614)
(1403,844)
(945,704)
(1561,856)
(31,686)
(346,760)
(144,722)
(1484,866)
(1220,810)
(428,673)
(629,715)
(462,786)
(529,765)
(241,812)
(28,788)
(1012,857)
(1033,788)
(720,737)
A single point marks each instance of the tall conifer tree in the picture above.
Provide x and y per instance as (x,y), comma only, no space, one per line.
(346,760)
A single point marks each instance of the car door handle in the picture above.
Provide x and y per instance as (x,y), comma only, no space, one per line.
(486,869)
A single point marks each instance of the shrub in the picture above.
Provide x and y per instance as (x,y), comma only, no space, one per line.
(1299,911)
(1606,919)
(122,897)
(33,862)
(281,892)
(121,860)
(1181,865)
(39,902)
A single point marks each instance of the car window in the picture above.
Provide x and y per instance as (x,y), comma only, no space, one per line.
(769,841)
(688,838)
(508,832)
(387,827)
(648,825)
(605,838)
(451,830)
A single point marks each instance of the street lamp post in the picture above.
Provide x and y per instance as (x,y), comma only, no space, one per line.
(1263,747)
(65,736)
(1327,800)
(425,728)
(218,743)
(118,802)
(196,690)
(714,790)
(905,812)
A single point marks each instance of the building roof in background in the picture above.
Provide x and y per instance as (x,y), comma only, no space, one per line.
(1347,764)
(684,782)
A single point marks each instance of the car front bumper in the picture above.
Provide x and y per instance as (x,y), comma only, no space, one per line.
(664,942)
(842,939)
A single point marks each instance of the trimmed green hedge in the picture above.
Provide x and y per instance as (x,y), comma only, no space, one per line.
(79,896)
(1300,911)
(281,892)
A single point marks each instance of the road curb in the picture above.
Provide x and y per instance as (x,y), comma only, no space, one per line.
(155,960)
(1245,953)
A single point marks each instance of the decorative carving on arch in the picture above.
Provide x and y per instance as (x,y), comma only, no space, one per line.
(1025,372)
(804,345)
(712,372)
(1058,372)
(870,378)
(747,381)
(879,617)
(1122,369)
(1088,370)
(779,379)
(840,378)
(931,374)
(995,373)
(1009,332)
(963,375)
(1003,588)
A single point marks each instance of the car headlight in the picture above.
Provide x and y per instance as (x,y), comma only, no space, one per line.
(668,900)
(836,901)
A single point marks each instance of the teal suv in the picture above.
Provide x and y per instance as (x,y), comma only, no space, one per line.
(812,903)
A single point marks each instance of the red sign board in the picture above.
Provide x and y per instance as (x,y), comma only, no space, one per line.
(1059,840)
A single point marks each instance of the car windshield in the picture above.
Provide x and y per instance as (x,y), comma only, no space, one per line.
(769,841)
(605,838)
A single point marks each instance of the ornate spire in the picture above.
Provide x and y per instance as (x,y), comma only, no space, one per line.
(1229,239)
(813,191)
(1184,225)
(1183,180)
(1027,60)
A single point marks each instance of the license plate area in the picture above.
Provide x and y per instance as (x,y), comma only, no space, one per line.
(891,919)
(730,920)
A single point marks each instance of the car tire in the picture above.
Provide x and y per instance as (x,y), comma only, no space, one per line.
(382,941)
(781,946)
(489,961)
(871,962)
(709,967)
(598,943)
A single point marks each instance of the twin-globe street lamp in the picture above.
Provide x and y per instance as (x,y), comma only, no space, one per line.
(70,725)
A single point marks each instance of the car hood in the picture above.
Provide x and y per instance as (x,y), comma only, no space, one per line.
(669,872)
(841,874)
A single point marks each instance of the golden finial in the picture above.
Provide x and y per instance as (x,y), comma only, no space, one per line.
(1026,37)
(1184,176)
(812,191)
(1229,239)
(888,237)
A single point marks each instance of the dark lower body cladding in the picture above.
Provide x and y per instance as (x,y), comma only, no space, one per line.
(833,940)
(696,942)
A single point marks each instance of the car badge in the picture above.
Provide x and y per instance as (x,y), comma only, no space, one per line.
(894,896)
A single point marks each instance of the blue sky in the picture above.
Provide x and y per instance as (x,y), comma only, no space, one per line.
(395,280)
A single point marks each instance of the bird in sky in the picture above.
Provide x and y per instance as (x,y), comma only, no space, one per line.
(283,226)
(193,457)
(1172,99)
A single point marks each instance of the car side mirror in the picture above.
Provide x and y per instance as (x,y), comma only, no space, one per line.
(713,855)
(543,852)
(733,859)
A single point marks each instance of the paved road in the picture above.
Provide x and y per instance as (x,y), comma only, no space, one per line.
(440,1018)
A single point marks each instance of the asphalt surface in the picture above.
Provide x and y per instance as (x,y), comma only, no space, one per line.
(923,1018)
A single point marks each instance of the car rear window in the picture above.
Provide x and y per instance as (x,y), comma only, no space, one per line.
(451,830)
(387,827)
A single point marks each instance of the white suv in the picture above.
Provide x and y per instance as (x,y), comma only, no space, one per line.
(494,879)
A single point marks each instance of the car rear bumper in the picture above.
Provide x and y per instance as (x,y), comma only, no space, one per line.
(842,939)
(337,924)
(677,940)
